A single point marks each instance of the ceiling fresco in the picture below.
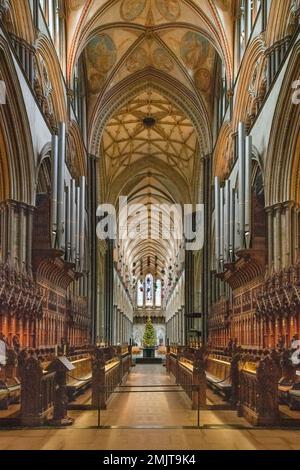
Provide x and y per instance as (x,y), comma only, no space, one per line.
(186,55)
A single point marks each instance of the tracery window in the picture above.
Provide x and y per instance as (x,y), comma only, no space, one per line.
(158,293)
(149,292)
(140,293)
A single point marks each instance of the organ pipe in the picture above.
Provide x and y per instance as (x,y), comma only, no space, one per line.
(232,226)
(248,163)
(54,186)
(78,190)
(221,227)
(68,223)
(241,159)
(217,221)
(237,218)
(227,218)
(82,220)
(73,220)
(61,182)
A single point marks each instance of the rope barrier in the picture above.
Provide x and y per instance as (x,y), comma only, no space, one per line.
(221,381)
(79,380)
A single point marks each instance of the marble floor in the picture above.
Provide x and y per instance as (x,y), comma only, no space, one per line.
(148,411)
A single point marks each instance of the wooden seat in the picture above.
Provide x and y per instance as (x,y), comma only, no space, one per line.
(218,375)
(80,378)
(10,392)
(284,386)
(294,397)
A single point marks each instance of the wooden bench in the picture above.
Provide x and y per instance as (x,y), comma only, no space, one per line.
(218,374)
(80,378)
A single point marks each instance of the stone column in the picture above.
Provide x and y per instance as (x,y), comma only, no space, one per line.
(277,238)
(189,290)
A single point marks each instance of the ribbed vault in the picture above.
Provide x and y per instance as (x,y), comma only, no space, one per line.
(150,70)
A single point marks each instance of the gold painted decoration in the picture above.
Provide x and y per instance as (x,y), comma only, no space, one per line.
(131,9)
(194,50)
(169,9)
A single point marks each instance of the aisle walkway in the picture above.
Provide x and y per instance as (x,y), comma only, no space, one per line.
(161,405)
(150,410)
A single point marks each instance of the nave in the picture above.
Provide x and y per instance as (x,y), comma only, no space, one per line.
(149,214)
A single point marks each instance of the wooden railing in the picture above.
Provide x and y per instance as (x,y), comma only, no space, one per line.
(185,372)
(113,377)
(187,366)
(37,387)
(109,367)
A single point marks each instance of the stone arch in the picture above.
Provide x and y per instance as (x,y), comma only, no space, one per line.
(252,84)
(282,21)
(76,152)
(224,153)
(86,31)
(182,191)
(162,84)
(44,165)
(18,20)
(16,135)
(283,162)
(45,48)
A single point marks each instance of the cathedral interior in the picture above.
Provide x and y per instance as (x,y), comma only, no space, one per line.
(150,224)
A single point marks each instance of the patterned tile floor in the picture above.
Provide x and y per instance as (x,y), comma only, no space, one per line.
(152,409)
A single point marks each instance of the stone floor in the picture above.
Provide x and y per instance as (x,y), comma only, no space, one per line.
(149,411)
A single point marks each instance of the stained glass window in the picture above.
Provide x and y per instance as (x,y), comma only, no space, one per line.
(158,293)
(140,293)
(149,290)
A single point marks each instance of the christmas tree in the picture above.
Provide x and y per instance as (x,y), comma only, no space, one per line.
(149,338)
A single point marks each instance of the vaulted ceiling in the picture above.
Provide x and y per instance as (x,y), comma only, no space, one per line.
(151,69)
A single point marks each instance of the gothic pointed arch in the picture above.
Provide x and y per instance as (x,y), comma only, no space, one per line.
(282,160)
(16,133)
(49,81)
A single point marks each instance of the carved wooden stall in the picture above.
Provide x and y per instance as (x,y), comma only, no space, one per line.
(10,389)
(258,389)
